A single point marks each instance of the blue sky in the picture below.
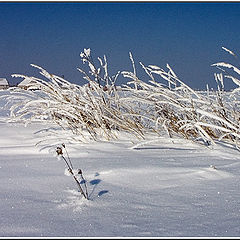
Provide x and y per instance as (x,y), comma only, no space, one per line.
(186,35)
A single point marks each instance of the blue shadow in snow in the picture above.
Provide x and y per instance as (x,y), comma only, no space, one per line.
(95,181)
(102,192)
(83,181)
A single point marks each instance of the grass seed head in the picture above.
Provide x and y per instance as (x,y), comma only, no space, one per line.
(59,151)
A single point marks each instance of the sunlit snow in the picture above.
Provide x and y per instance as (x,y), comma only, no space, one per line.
(154,188)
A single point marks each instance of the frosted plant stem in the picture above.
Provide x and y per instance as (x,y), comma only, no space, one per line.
(59,152)
(67,155)
(78,183)
(80,172)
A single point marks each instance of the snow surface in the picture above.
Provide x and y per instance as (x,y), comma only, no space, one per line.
(3,81)
(163,188)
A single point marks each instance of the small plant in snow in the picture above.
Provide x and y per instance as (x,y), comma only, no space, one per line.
(73,172)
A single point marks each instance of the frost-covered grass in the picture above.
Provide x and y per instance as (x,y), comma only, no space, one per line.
(160,103)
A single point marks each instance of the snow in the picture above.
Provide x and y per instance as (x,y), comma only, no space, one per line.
(3,81)
(154,188)
(25,82)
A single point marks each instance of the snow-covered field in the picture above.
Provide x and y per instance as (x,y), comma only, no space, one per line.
(163,188)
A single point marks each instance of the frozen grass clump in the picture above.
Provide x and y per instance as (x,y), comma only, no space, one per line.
(172,105)
(93,111)
(160,104)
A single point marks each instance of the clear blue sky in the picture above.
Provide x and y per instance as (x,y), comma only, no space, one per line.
(188,36)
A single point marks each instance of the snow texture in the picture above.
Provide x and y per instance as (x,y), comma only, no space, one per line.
(158,188)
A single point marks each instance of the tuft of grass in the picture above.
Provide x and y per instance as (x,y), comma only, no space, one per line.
(173,106)
(161,103)
(95,109)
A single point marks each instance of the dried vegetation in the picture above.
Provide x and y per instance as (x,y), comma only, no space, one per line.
(160,104)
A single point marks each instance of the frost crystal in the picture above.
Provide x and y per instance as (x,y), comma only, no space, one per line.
(227,50)
(87,52)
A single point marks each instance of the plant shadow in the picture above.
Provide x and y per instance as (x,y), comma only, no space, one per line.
(95,183)
(102,192)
